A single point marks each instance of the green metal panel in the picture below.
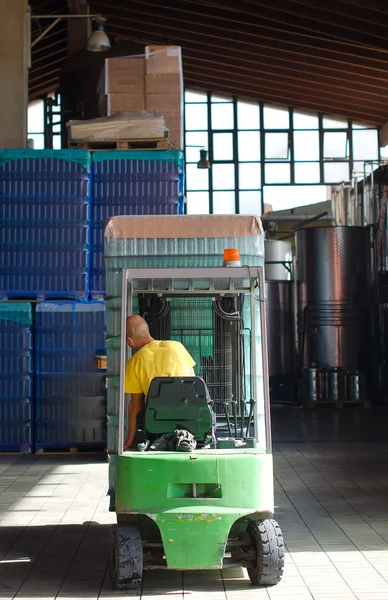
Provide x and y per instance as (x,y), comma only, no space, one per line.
(16,312)
(228,484)
(192,325)
(78,156)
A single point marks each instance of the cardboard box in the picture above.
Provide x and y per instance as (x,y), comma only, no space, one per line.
(176,136)
(133,84)
(173,120)
(185,226)
(174,124)
(163,60)
(125,103)
(164,84)
(165,103)
(124,74)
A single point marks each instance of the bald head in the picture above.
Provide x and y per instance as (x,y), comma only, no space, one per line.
(138,333)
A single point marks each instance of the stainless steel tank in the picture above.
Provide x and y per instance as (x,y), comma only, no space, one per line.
(278,256)
(334,296)
(281,345)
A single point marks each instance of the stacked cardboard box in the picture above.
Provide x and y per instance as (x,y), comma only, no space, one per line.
(153,82)
(124,84)
(164,87)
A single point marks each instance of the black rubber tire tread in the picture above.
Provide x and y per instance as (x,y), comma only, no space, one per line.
(125,557)
(269,565)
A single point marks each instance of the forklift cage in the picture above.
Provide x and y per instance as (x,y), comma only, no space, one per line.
(201,282)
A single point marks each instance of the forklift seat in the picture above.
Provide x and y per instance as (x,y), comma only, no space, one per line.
(179,403)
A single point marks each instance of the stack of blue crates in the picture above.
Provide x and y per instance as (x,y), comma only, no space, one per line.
(16,376)
(44,223)
(53,208)
(69,392)
(131,183)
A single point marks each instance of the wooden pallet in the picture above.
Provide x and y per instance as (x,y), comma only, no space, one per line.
(14,453)
(146,144)
(71,450)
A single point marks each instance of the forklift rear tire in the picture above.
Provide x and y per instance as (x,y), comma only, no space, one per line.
(125,557)
(268,567)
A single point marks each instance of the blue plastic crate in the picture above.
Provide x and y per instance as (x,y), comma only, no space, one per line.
(16,376)
(131,183)
(16,425)
(71,422)
(37,235)
(45,203)
(50,386)
(55,283)
(70,393)
(72,326)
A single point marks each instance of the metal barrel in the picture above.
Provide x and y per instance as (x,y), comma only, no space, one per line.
(356,386)
(337,385)
(334,296)
(312,384)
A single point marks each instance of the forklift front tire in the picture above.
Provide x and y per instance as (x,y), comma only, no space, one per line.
(125,557)
(268,567)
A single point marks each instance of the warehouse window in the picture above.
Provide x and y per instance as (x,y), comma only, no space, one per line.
(35,123)
(54,126)
(44,122)
(261,153)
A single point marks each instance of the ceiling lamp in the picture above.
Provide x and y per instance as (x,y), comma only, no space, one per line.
(203,162)
(98,40)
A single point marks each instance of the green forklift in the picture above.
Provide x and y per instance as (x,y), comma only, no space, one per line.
(211,507)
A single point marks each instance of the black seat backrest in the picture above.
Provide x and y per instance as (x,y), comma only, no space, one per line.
(179,403)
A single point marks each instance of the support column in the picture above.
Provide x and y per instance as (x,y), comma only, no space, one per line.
(14,53)
(384,135)
(78,30)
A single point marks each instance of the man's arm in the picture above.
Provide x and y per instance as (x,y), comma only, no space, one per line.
(135,407)
(191,363)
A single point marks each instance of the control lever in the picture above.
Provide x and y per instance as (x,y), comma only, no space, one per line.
(226,403)
(242,407)
(234,410)
(252,403)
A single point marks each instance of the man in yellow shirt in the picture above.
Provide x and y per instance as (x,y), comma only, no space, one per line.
(153,358)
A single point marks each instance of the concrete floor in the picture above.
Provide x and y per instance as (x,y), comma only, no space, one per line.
(331,502)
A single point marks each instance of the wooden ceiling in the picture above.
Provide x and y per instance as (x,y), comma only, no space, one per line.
(330,57)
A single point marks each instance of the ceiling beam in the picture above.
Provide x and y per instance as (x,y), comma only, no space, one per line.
(252,43)
(44,75)
(338,8)
(275,98)
(283,82)
(375,5)
(210,17)
(246,49)
(315,19)
(271,69)
(291,96)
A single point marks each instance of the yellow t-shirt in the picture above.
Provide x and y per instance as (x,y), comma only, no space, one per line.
(156,359)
